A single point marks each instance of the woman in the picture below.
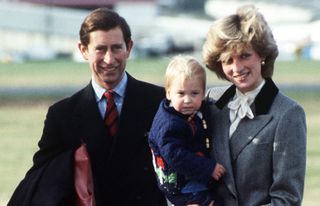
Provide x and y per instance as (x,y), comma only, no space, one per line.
(259,133)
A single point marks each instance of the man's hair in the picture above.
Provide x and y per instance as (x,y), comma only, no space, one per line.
(103,19)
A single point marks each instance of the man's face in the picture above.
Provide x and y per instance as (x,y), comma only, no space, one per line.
(107,55)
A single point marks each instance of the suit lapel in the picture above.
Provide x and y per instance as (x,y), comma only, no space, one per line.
(246,132)
(129,138)
(91,125)
(220,134)
(248,129)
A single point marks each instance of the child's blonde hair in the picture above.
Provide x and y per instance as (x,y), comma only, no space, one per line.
(182,68)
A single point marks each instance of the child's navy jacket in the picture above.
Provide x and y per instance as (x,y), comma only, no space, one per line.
(179,150)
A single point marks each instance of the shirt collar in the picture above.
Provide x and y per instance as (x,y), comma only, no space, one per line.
(251,95)
(119,89)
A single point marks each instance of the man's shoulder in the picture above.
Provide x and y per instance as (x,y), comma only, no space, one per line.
(71,100)
(145,88)
(147,85)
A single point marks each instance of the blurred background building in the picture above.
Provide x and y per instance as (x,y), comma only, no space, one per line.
(48,29)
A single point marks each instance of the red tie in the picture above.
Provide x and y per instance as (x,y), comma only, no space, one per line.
(111,118)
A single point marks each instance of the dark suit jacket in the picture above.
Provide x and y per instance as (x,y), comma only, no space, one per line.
(122,167)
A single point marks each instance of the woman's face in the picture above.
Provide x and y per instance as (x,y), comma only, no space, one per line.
(243,70)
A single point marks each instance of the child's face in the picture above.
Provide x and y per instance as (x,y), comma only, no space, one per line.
(186,95)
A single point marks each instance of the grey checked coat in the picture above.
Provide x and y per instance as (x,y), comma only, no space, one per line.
(265,159)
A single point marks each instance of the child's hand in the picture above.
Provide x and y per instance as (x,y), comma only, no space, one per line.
(218,172)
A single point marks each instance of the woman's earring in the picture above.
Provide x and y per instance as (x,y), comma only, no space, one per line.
(263,63)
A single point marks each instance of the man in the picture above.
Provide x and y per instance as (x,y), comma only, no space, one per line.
(120,159)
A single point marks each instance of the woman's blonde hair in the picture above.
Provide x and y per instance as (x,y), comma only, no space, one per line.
(184,67)
(234,33)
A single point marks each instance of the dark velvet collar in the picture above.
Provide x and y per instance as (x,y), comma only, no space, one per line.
(262,102)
